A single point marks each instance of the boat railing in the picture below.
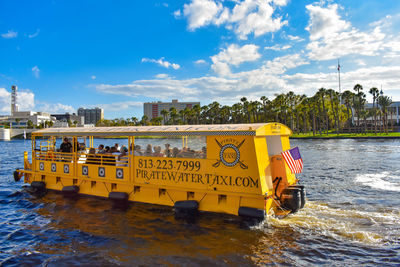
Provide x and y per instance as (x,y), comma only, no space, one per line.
(54,156)
(103,159)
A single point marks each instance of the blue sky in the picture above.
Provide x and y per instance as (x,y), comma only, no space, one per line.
(118,54)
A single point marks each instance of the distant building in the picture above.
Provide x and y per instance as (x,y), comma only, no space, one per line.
(91,115)
(392,111)
(21,118)
(14,106)
(153,109)
(70,117)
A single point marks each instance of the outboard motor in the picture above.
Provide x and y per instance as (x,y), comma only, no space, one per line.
(303,194)
(291,199)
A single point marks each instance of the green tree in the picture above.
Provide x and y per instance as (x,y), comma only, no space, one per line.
(375,93)
(384,102)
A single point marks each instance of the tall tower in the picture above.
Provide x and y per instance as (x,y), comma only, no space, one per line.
(14,107)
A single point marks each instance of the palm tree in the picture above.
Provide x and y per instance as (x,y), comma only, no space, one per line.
(375,93)
(164,114)
(197,109)
(173,114)
(384,102)
(265,102)
(322,92)
(358,88)
(334,101)
(145,120)
(347,96)
(245,108)
(156,121)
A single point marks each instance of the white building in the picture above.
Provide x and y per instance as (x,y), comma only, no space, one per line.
(19,119)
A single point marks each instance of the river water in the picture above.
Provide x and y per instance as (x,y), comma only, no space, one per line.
(352,217)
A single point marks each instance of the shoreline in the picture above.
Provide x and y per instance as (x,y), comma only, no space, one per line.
(345,137)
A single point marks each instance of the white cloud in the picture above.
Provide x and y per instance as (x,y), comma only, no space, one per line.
(277,47)
(201,12)
(117,106)
(36,72)
(36,33)
(233,55)
(255,16)
(54,108)
(25,100)
(93,77)
(360,62)
(280,65)
(162,76)
(331,37)
(267,80)
(162,63)
(295,38)
(200,62)
(325,22)
(246,17)
(10,34)
(177,14)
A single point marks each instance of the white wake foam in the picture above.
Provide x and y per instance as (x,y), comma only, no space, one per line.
(343,224)
(382,181)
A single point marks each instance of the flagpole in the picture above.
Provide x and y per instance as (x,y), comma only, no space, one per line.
(340,94)
(340,89)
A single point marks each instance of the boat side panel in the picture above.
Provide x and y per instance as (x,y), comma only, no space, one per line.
(264,165)
(231,166)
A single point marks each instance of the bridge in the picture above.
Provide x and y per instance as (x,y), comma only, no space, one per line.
(7,134)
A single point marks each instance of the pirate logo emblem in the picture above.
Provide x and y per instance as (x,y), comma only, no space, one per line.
(229,155)
(85,170)
(66,168)
(102,172)
(41,166)
(53,167)
(120,173)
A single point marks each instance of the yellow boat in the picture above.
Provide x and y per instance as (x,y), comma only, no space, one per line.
(235,169)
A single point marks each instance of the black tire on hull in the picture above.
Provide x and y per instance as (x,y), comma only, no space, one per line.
(251,213)
(38,186)
(70,190)
(118,196)
(16,176)
(186,205)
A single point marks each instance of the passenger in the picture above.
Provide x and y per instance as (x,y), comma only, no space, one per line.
(91,157)
(107,150)
(149,151)
(157,152)
(66,146)
(122,160)
(191,153)
(201,154)
(167,151)
(117,147)
(100,149)
(109,158)
(138,151)
(78,145)
(175,152)
(183,153)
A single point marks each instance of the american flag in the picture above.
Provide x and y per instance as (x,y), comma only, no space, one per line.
(293,160)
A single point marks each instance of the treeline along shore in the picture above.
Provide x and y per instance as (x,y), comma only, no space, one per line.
(325,113)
